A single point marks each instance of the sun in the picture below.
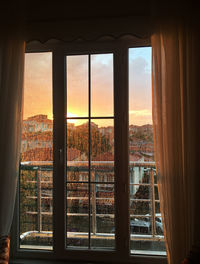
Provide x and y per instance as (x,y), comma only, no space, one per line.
(72,121)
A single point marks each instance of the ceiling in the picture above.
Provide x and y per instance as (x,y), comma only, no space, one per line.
(63,10)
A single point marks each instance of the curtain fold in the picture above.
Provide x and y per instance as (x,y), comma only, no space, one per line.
(12,48)
(176,57)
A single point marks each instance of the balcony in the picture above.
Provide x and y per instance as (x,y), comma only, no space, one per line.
(95,200)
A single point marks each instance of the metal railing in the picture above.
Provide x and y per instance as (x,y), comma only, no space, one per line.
(40,175)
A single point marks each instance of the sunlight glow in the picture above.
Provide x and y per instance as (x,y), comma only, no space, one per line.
(72,121)
(38,86)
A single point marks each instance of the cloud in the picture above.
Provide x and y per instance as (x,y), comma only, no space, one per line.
(140,117)
(102,85)
(139,65)
(38,84)
(140,94)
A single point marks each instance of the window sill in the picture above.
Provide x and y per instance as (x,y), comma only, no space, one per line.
(38,261)
(138,260)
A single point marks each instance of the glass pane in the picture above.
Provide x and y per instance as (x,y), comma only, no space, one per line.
(77,86)
(158,219)
(145,219)
(140,225)
(140,191)
(46,185)
(77,150)
(36,167)
(102,150)
(77,215)
(102,216)
(140,207)
(94,227)
(140,102)
(156,193)
(102,85)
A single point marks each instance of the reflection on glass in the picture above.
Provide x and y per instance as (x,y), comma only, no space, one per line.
(146,230)
(36,183)
(77,86)
(102,215)
(77,214)
(102,85)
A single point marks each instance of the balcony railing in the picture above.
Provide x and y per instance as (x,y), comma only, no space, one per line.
(36,185)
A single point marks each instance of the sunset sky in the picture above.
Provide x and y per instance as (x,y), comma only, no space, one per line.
(38,86)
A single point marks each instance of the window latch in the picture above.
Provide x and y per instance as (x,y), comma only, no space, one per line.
(61,156)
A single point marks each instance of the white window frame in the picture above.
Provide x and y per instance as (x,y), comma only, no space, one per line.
(121,254)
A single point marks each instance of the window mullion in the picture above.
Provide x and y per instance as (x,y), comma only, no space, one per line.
(59,155)
(89,149)
(121,151)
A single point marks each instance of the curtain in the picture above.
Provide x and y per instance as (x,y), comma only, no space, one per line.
(176,80)
(12,50)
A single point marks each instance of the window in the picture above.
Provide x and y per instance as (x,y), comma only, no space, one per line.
(87,177)
(36,168)
(90,178)
(146,230)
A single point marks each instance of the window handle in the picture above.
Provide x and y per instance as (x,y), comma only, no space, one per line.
(61,156)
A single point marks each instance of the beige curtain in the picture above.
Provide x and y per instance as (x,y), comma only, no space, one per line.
(11,93)
(176,85)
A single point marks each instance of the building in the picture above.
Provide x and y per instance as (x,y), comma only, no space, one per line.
(38,123)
